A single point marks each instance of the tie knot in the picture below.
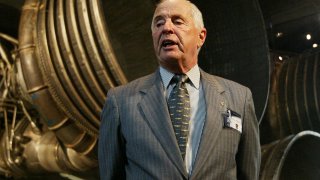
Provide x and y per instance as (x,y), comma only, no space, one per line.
(179,78)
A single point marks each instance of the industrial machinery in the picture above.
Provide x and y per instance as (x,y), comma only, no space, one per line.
(56,69)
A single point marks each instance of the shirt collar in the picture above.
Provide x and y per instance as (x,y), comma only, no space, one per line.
(193,74)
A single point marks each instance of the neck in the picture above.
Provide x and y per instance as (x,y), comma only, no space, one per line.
(178,68)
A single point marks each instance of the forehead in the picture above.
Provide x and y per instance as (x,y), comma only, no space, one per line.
(170,8)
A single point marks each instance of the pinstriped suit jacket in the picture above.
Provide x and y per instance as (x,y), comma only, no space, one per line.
(137,140)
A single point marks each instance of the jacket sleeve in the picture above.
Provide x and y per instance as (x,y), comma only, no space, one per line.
(249,154)
(111,153)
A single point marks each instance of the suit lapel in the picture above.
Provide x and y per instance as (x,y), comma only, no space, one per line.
(216,105)
(154,108)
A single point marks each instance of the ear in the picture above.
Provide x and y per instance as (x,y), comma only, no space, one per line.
(202,37)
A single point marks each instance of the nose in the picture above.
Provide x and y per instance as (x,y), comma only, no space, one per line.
(168,27)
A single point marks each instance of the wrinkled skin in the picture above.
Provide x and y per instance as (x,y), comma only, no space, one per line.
(176,38)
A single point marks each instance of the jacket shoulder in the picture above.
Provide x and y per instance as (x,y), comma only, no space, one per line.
(223,83)
(133,86)
(229,84)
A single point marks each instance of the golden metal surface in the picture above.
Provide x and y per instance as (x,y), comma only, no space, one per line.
(55,77)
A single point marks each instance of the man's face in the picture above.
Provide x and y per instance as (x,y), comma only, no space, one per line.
(176,39)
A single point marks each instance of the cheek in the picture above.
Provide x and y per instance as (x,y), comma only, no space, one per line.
(192,44)
(190,39)
(155,39)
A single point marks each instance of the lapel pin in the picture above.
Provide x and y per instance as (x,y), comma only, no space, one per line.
(222,103)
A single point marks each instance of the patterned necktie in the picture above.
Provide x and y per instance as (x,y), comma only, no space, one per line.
(179,108)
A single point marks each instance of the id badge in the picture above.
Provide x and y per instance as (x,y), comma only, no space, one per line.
(233,120)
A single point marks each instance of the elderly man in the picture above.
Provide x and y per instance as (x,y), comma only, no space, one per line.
(179,122)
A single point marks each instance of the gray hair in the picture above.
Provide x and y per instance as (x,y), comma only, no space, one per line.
(195,13)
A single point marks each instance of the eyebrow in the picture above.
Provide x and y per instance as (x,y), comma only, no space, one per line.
(159,17)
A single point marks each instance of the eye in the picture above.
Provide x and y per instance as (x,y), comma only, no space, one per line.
(178,21)
(159,23)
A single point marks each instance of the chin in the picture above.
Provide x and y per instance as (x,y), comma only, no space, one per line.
(169,60)
(170,57)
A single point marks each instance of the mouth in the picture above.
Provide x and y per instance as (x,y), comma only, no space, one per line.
(168,43)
